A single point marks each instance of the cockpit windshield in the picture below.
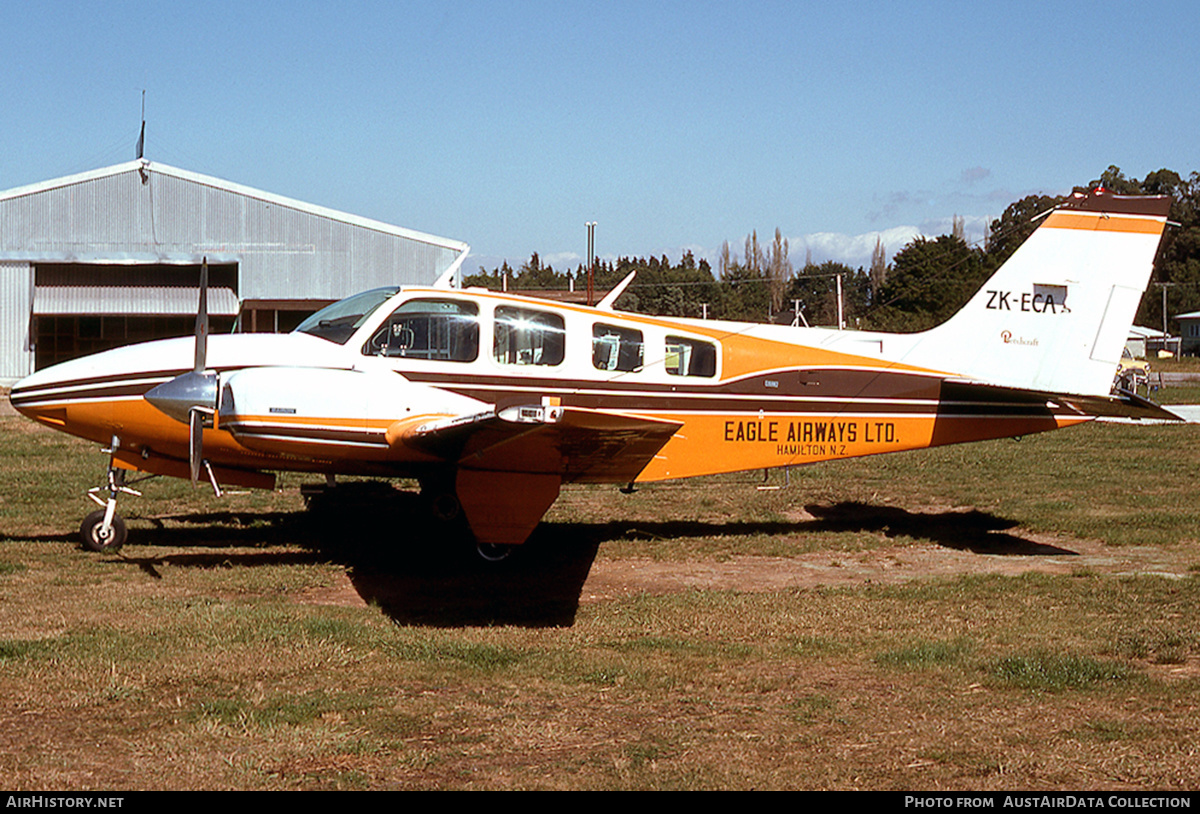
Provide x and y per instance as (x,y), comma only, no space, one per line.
(339,321)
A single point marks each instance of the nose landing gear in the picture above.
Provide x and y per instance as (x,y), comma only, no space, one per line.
(104,529)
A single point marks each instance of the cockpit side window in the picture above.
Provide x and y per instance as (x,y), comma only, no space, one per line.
(437,329)
(524,336)
(690,357)
(615,348)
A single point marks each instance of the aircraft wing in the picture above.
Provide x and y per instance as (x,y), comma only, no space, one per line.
(578,444)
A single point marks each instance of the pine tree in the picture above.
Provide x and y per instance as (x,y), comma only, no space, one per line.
(879,268)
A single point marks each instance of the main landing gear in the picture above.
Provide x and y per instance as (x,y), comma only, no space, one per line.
(446,510)
(442,502)
(494,552)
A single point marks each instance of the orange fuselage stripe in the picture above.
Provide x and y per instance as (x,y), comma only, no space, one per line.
(1063,219)
(706,443)
(711,444)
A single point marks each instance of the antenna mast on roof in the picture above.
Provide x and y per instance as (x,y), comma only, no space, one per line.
(141,144)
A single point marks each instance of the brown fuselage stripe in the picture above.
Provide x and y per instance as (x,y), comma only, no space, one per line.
(372,437)
(798,391)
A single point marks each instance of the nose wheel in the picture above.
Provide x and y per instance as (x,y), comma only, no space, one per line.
(101,532)
(104,529)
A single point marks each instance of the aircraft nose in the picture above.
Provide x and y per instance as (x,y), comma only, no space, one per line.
(31,396)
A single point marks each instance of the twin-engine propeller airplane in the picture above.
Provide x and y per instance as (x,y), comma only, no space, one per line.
(494,401)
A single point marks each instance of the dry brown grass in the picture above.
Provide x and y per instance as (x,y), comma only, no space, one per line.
(930,621)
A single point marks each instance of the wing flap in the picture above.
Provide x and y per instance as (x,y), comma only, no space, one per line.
(580,445)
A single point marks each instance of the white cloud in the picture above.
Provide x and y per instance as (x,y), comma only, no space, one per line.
(975,227)
(563,261)
(853,250)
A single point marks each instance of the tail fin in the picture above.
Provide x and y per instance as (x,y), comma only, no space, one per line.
(1056,315)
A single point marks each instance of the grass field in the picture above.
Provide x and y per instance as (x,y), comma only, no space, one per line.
(1008,615)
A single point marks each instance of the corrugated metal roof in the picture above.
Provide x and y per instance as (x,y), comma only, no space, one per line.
(142,165)
(141,300)
(1142,332)
(142,212)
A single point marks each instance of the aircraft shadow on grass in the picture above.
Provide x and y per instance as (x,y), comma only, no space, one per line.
(382,537)
(975,531)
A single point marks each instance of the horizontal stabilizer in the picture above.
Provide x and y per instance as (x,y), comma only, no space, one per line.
(1123,405)
(966,397)
(577,444)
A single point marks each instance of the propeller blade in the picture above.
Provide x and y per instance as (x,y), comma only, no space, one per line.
(195,443)
(202,319)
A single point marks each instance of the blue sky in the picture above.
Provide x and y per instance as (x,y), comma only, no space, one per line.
(675,126)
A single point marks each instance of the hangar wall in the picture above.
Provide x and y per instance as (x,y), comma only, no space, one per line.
(16,300)
(288,256)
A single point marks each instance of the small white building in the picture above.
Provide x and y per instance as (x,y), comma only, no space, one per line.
(112,256)
(1189,333)
(1146,342)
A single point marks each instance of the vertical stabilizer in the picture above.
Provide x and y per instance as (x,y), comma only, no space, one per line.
(1056,315)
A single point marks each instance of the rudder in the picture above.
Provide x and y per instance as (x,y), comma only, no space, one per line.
(1055,315)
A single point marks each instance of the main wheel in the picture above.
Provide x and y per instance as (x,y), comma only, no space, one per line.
(92,538)
(445,507)
(494,552)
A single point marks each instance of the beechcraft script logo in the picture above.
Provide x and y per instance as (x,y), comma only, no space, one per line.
(1008,339)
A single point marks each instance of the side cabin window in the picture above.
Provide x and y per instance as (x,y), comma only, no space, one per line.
(690,357)
(616,348)
(527,337)
(442,330)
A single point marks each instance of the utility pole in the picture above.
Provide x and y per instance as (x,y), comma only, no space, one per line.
(841,320)
(1166,335)
(1164,287)
(591,266)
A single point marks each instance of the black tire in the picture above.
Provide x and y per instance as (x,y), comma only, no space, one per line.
(89,532)
(445,507)
(494,552)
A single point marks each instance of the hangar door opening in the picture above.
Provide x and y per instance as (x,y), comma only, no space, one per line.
(85,308)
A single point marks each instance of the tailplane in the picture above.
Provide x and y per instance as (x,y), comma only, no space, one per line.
(1055,316)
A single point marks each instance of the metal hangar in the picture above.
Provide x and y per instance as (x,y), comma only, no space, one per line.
(112,256)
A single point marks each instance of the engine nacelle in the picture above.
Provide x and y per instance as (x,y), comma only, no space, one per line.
(330,414)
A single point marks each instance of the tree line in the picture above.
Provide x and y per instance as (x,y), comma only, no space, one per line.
(926,282)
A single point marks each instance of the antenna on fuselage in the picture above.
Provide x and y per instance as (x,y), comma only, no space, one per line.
(448,277)
(611,297)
